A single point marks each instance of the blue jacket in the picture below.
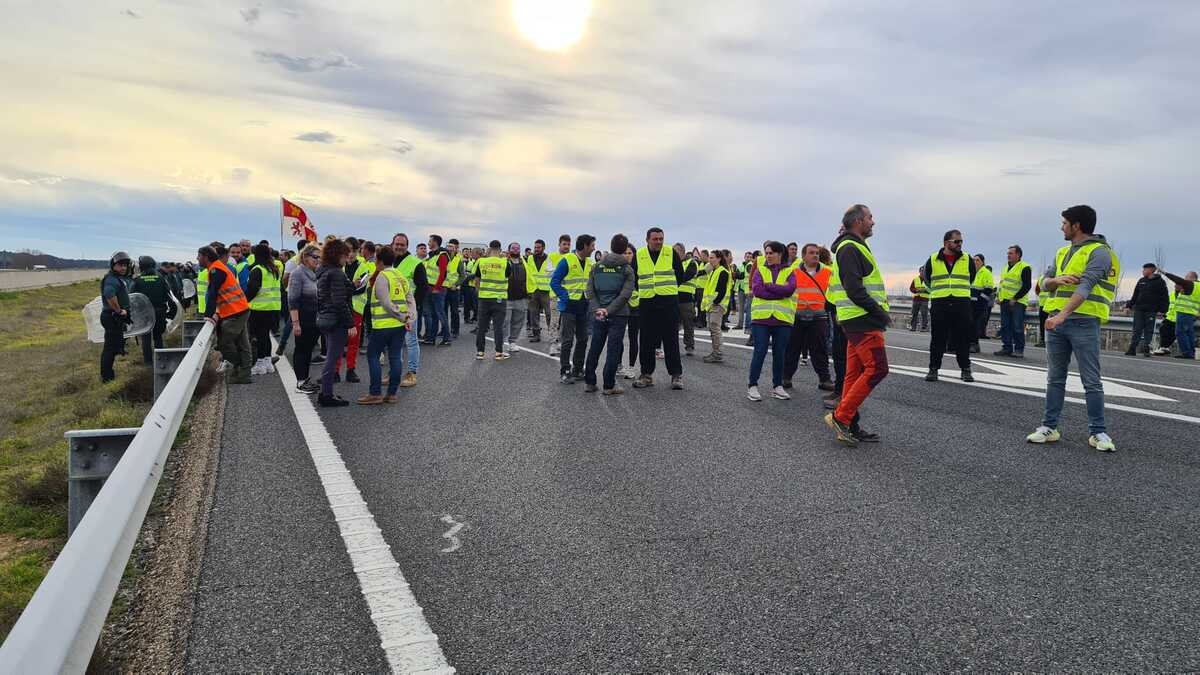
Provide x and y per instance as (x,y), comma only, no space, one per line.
(556,283)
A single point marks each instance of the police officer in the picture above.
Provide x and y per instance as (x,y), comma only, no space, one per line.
(152,285)
(115,314)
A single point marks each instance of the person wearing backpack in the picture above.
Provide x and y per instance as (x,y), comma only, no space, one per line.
(609,289)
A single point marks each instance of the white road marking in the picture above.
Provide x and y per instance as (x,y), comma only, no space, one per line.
(407,640)
(452,533)
(526,350)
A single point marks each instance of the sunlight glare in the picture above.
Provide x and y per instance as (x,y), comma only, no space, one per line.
(552,25)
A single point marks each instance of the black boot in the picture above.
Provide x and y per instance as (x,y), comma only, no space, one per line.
(331,401)
(932,375)
(351,376)
(966,375)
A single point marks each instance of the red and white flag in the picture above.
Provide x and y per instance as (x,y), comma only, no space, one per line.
(292,218)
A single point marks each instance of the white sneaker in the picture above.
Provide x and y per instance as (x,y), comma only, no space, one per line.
(631,373)
(781,394)
(1102,442)
(256,369)
(752,394)
(513,348)
(804,360)
(1044,435)
(267,366)
(554,348)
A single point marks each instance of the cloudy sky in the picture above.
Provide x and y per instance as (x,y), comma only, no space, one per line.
(157,125)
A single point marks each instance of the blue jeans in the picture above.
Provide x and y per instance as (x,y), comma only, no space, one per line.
(746,310)
(453,302)
(414,351)
(390,340)
(286,333)
(1012,327)
(1079,335)
(1185,333)
(435,316)
(606,334)
(778,336)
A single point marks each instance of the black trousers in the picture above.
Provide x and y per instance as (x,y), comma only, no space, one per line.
(1042,316)
(634,329)
(261,324)
(660,325)
(839,357)
(1166,334)
(953,329)
(808,337)
(154,339)
(114,343)
(305,343)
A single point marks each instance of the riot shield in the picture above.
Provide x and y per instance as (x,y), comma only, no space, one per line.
(189,289)
(177,320)
(141,315)
(91,319)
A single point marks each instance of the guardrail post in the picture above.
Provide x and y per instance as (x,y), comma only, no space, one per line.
(92,454)
(191,328)
(165,363)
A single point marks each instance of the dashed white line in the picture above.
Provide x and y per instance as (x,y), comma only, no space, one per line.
(408,642)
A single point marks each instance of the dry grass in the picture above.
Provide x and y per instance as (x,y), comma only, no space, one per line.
(52,385)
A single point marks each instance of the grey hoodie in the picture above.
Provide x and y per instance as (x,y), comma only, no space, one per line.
(620,305)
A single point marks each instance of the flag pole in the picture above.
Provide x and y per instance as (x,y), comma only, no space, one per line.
(282,241)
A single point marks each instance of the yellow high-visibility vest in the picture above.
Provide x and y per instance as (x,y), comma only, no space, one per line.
(656,278)
(846,308)
(1099,301)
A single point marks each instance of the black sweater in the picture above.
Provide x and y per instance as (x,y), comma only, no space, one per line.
(852,268)
(333,297)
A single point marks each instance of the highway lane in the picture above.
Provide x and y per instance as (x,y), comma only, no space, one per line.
(699,530)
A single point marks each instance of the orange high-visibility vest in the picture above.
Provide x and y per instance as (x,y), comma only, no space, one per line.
(810,297)
(230,298)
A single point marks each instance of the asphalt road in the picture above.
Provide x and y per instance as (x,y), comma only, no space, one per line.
(696,530)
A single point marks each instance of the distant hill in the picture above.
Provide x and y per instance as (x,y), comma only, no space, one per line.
(24,260)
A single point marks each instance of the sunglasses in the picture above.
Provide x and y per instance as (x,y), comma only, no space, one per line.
(954,241)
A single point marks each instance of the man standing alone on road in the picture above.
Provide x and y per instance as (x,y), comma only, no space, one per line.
(858,294)
(1080,288)
(1015,283)
(949,274)
(1150,299)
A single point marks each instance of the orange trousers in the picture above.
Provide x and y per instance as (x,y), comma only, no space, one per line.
(866,366)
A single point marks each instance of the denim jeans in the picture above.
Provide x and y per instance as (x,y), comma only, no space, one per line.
(1079,335)
(514,319)
(1185,333)
(435,316)
(606,334)
(453,302)
(390,340)
(1012,327)
(573,333)
(1143,330)
(335,339)
(414,350)
(745,320)
(779,337)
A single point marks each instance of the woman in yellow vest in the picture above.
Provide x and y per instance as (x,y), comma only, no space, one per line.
(718,289)
(263,292)
(773,285)
(390,299)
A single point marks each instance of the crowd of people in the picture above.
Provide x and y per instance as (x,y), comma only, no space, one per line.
(635,304)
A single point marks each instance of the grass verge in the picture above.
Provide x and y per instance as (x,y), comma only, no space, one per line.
(52,385)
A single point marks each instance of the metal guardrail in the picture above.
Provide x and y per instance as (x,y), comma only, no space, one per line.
(1118,323)
(58,630)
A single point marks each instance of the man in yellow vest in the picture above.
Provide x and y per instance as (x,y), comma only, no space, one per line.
(540,265)
(859,296)
(1015,284)
(659,272)
(555,328)
(983,295)
(493,271)
(1079,290)
(569,282)
(1187,306)
(949,274)
(687,298)
(456,274)
(920,302)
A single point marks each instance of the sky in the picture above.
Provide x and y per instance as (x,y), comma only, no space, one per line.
(156,126)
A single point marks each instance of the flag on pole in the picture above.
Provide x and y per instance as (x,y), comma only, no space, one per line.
(293,218)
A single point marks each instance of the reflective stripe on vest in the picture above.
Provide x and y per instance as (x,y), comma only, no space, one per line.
(432,271)
(577,275)
(922,290)
(268,293)
(944,283)
(541,275)
(810,296)
(492,283)
(711,286)
(1173,308)
(358,302)
(202,290)
(656,278)
(397,292)
(1010,282)
(1099,301)
(846,308)
(1189,303)
(984,281)
(452,275)
(230,298)
(783,309)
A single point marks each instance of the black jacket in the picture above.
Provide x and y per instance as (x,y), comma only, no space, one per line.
(1150,295)
(333,298)
(852,267)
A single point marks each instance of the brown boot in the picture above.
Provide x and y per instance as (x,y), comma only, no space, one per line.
(409,380)
(643,381)
(390,398)
(370,399)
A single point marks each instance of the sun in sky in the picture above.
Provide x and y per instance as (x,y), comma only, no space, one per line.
(552,25)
